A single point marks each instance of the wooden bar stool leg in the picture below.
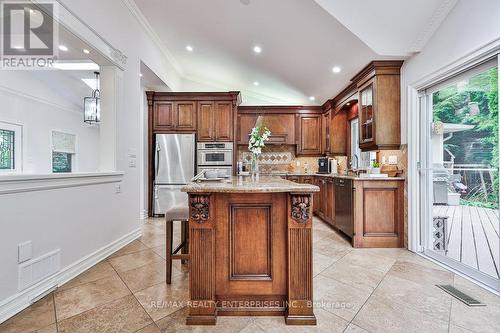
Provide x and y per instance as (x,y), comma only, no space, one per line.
(169,231)
(184,238)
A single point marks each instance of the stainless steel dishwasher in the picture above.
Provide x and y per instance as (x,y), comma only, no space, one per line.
(344,206)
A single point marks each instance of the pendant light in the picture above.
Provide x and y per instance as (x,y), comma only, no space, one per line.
(92,105)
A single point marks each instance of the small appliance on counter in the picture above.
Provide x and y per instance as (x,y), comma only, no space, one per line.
(334,166)
(324,165)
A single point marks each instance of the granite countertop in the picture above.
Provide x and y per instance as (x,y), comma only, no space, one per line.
(327,175)
(245,184)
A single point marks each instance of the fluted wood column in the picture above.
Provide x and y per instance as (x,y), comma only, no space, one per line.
(202,307)
(300,309)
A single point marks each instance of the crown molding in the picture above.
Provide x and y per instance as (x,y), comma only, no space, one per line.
(432,24)
(143,21)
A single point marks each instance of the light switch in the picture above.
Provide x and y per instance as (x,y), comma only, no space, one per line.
(24,252)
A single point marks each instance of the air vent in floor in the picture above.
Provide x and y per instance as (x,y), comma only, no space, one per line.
(460,295)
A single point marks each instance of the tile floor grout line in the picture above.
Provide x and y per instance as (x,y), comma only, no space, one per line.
(55,311)
(140,304)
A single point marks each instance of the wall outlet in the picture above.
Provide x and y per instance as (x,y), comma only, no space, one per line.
(132,163)
(297,163)
(118,188)
(393,159)
(24,252)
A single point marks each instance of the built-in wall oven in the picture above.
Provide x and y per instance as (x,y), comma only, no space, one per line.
(215,155)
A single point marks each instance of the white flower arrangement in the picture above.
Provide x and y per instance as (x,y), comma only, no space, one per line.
(260,134)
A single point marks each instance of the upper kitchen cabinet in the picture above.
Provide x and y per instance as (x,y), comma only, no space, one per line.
(379,105)
(215,121)
(325,132)
(282,121)
(210,115)
(310,129)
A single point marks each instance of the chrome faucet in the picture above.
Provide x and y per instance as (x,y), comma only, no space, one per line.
(353,169)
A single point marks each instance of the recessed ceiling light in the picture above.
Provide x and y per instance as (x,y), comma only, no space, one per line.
(86,51)
(312,98)
(140,75)
(256,83)
(257,49)
(189,48)
(336,69)
(63,48)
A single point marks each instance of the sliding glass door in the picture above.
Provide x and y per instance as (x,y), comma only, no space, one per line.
(459,172)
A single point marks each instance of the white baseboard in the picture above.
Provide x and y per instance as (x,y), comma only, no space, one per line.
(18,302)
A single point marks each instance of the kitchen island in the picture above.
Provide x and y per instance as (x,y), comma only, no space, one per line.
(250,245)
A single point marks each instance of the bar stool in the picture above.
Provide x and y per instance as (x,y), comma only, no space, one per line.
(177,213)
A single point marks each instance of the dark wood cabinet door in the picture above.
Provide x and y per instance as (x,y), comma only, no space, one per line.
(310,135)
(245,124)
(325,132)
(163,118)
(223,121)
(324,197)
(366,114)
(316,196)
(338,134)
(185,116)
(206,121)
(330,201)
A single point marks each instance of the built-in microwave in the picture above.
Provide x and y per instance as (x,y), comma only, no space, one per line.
(215,153)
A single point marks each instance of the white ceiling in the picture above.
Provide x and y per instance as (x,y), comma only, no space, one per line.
(391,27)
(300,40)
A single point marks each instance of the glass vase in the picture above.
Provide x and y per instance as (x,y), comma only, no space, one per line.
(255,165)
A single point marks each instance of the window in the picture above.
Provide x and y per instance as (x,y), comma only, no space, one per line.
(63,151)
(61,162)
(10,147)
(7,161)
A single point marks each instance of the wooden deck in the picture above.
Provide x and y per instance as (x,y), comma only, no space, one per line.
(473,237)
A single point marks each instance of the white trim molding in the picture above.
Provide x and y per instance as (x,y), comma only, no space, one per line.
(25,298)
(16,183)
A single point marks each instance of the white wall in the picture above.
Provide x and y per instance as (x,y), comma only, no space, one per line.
(26,101)
(470,25)
(88,218)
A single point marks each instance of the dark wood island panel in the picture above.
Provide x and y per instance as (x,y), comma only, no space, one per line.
(251,255)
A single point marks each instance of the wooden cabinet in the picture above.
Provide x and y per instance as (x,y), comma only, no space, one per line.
(379,105)
(338,133)
(163,116)
(282,127)
(223,121)
(185,116)
(330,201)
(309,128)
(178,116)
(325,132)
(215,121)
(379,213)
(316,196)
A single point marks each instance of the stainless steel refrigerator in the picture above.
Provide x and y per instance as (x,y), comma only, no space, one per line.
(174,167)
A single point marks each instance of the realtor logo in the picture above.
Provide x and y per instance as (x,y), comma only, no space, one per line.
(29,35)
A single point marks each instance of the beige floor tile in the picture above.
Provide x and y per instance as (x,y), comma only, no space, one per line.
(252,328)
(76,300)
(356,276)
(151,328)
(161,299)
(153,239)
(134,246)
(326,322)
(36,317)
(379,315)
(392,253)
(160,250)
(368,260)
(355,329)
(331,248)
(457,329)
(122,315)
(145,276)
(427,299)
(477,319)
(135,260)
(422,272)
(338,298)
(321,262)
(96,272)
